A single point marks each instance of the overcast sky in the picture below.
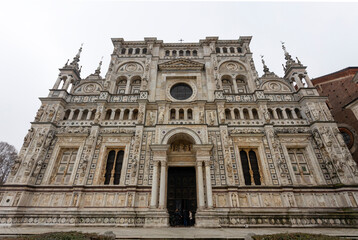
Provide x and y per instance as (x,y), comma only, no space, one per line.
(37,37)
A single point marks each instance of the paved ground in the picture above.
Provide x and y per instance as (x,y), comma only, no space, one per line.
(181,233)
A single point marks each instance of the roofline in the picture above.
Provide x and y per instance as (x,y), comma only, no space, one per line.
(342,70)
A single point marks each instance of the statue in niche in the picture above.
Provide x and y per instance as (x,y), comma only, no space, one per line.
(50,137)
(28,165)
(51,113)
(212,118)
(144,84)
(16,165)
(317,138)
(140,115)
(28,137)
(222,115)
(234,200)
(327,136)
(201,117)
(37,168)
(151,119)
(40,139)
(161,115)
(39,113)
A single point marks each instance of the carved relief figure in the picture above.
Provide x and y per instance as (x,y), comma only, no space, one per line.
(161,115)
(28,137)
(39,113)
(51,113)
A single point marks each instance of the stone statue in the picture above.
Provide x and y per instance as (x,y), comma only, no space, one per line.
(16,165)
(39,113)
(28,137)
(339,137)
(51,113)
(37,168)
(145,84)
(266,116)
(151,119)
(221,115)
(40,139)
(161,115)
(317,138)
(140,115)
(201,117)
(327,136)
(212,118)
(50,137)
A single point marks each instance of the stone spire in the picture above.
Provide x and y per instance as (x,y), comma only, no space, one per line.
(267,72)
(266,69)
(289,60)
(76,59)
(98,70)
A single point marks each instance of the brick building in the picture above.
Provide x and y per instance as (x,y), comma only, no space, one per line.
(341,91)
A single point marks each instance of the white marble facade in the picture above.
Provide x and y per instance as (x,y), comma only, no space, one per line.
(266,150)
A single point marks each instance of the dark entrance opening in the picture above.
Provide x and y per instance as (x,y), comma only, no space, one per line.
(181,196)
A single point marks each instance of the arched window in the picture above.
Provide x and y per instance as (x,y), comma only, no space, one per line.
(298,113)
(117,114)
(187,53)
(181,53)
(195,53)
(241,84)
(123,51)
(75,114)
(255,114)
(135,86)
(174,53)
(137,51)
(126,114)
(246,113)
(108,114)
(255,167)
(217,50)
(288,113)
(227,114)
(250,167)
(227,84)
(67,114)
(84,114)
(239,50)
(190,114)
(144,51)
(172,114)
(236,113)
(121,85)
(279,113)
(224,50)
(232,50)
(181,113)
(245,167)
(130,51)
(270,113)
(135,114)
(93,114)
(167,53)
(114,160)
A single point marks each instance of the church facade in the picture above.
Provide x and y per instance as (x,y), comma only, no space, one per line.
(175,127)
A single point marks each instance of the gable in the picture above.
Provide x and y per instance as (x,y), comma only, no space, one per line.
(181,64)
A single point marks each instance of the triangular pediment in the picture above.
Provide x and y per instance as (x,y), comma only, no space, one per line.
(181,64)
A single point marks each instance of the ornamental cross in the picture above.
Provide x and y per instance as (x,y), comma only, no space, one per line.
(181,40)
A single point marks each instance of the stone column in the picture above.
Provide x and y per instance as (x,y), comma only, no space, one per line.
(154,196)
(274,113)
(127,91)
(203,155)
(308,81)
(199,177)
(235,85)
(232,114)
(57,84)
(284,114)
(130,114)
(250,113)
(294,115)
(298,81)
(80,114)
(159,155)
(112,114)
(67,83)
(89,114)
(176,114)
(209,192)
(71,115)
(121,114)
(163,184)
(185,114)
(241,113)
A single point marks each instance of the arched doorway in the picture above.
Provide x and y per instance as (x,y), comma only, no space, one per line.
(181,187)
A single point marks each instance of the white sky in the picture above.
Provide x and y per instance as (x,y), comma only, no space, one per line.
(37,37)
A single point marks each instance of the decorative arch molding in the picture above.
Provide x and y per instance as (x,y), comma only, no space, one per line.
(127,63)
(275,86)
(234,65)
(88,88)
(187,131)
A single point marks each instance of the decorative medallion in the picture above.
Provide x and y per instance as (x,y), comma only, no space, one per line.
(131,67)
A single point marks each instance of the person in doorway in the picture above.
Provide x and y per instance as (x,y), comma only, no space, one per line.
(190,218)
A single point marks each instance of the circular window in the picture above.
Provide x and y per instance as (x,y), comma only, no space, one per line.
(181,91)
(347,136)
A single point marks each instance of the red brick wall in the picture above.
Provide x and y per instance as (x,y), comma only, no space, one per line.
(340,90)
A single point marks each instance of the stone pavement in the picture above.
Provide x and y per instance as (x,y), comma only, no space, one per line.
(180,233)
